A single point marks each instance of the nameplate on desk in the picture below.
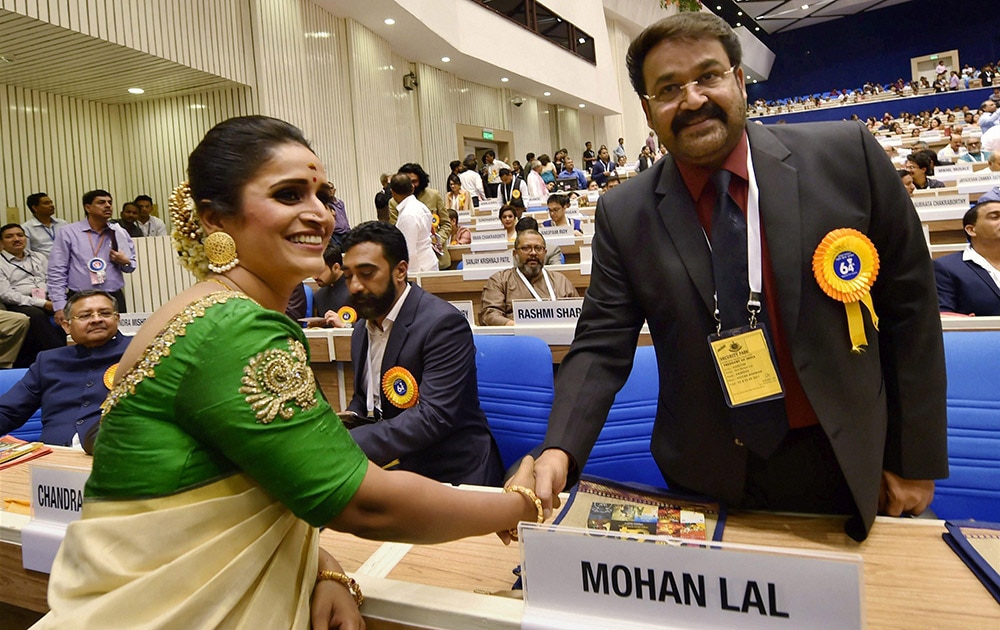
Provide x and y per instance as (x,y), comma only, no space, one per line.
(536,203)
(586,260)
(942,208)
(547,311)
(488,224)
(931,136)
(951,172)
(581,579)
(978,182)
(464,217)
(482,266)
(557,236)
(130,323)
(465,308)
(489,205)
(489,241)
(56,501)
(892,141)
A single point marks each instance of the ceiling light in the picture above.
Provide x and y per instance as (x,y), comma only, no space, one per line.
(718,8)
(136,91)
(504,79)
(739,13)
(582,40)
(318,35)
(805,6)
(446,59)
(737,25)
(582,105)
(389,21)
(757,28)
(546,93)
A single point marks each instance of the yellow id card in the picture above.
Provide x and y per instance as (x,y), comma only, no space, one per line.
(746,366)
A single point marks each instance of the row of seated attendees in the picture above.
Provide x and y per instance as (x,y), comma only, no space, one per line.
(946,80)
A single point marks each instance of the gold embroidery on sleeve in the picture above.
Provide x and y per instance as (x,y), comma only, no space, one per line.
(274,380)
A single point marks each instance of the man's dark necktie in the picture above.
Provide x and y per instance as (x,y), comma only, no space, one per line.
(760,426)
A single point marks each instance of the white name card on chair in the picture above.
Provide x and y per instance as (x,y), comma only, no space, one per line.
(951,172)
(464,217)
(489,241)
(547,311)
(482,266)
(978,182)
(942,208)
(130,323)
(557,236)
(580,579)
(56,501)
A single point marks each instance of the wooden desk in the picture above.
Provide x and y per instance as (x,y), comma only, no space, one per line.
(912,579)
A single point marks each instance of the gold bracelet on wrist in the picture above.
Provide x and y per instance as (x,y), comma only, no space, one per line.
(530,495)
(349,582)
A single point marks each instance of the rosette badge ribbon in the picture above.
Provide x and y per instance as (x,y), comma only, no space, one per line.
(845,265)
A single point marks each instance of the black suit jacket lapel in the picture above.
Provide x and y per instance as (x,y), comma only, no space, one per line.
(984,276)
(676,210)
(782,219)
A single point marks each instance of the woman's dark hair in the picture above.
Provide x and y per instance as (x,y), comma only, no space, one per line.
(505,208)
(385,234)
(454,179)
(230,155)
(688,26)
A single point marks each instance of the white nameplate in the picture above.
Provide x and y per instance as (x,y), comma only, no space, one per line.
(547,311)
(464,217)
(56,501)
(941,208)
(465,307)
(978,182)
(487,224)
(930,136)
(951,172)
(557,236)
(593,196)
(536,203)
(586,260)
(489,205)
(482,266)
(574,578)
(491,240)
(891,141)
(130,323)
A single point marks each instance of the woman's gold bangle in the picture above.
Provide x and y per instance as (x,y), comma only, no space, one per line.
(530,495)
(351,584)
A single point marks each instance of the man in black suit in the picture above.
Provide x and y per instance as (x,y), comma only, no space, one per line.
(854,432)
(968,282)
(414,369)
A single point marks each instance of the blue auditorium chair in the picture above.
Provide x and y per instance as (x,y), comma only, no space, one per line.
(973,488)
(515,391)
(309,299)
(31,430)
(622,449)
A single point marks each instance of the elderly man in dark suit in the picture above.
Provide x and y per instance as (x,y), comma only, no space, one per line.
(968,282)
(415,390)
(719,239)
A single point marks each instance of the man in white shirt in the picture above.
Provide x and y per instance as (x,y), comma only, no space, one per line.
(954,150)
(42,227)
(989,115)
(471,181)
(23,290)
(493,166)
(150,225)
(414,222)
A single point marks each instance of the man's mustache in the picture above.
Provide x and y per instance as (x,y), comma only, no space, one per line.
(706,111)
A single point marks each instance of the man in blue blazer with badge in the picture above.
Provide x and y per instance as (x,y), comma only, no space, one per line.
(968,282)
(70,383)
(416,397)
(861,426)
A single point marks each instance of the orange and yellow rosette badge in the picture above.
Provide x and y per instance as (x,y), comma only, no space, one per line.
(515,194)
(846,265)
(435,221)
(347,314)
(399,387)
(109,376)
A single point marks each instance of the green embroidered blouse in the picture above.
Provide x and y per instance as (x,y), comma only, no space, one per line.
(226,387)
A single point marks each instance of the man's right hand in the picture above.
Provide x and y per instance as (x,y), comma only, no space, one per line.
(551,470)
(59,317)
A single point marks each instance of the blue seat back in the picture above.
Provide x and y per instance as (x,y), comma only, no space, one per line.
(309,300)
(30,431)
(622,449)
(515,391)
(973,487)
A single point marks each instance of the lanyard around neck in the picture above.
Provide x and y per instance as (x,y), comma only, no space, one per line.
(548,285)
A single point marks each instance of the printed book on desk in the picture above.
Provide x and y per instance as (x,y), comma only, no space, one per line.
(14,451)
(978,545)
(601,504)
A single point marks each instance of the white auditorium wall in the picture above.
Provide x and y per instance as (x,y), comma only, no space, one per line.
(332,76)
(631,124)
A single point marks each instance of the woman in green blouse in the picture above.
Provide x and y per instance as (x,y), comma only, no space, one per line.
(217,459)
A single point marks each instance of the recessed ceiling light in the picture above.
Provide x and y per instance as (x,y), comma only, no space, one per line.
(446,59)
(389,21)
(757,28)
(737,25)
(755,80)
(582,40)
(546,93)
(805,6)
(504,79)
(739,13)
(136,91)
(582,105)
(718,7)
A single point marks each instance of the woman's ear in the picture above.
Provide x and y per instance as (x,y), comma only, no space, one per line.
(211,219)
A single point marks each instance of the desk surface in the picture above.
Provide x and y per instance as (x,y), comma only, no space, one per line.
(912,579)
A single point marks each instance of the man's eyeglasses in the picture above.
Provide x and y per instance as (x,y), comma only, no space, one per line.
(88,315)
(672,92)
(531,249)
